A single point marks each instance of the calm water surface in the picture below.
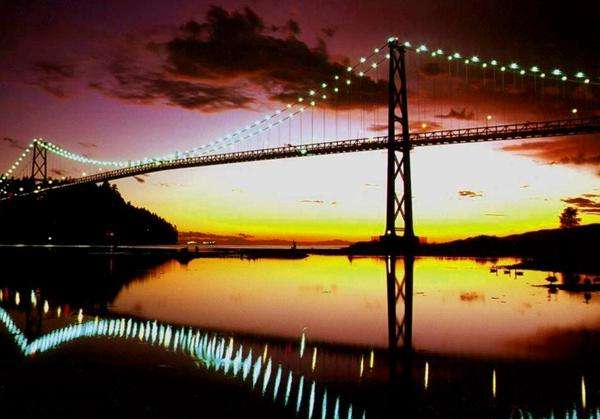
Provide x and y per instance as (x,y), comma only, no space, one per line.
(294,338)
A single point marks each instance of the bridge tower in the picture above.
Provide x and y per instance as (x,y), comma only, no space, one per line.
(39,163)
(398,115)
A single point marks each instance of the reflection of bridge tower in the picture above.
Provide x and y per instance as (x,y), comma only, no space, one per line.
(399,327)
(401,395)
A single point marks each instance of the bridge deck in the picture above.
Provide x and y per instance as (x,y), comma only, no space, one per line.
(525,130)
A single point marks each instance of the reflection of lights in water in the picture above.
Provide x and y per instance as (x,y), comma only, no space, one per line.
(288,387)
(58,311)
(336,409)
(265,351)
(583,394)
(302,344)
(46,307)
(80,315)
(277,382)
(247,365)
(238,360)
(1,295)
(372,359)
(361,366)
(266,377)
(17,298)
(300,393)
(314,359)
(256,370)
(426,377)
(324,405)
(228,355)
(211,351)
(494,383)
(33,299)
(311,400)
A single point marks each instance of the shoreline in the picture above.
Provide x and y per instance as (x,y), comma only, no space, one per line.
(184,254)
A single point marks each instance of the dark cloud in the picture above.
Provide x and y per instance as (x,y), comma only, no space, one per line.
(58,172)
(131,82)
(469,194)
(245,236)
(87,144)
(329,32)
(291,26)
(577,150)
(432,69)
(53,77)
(232,46)
(11,142)
(462,115)
(584,204)
(139,179)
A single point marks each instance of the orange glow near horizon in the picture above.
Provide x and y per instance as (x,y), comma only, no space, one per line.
(327,197)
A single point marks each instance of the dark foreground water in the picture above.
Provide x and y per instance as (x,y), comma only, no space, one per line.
(99,336)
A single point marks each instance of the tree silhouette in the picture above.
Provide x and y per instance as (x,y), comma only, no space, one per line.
(88,214)
(568,218)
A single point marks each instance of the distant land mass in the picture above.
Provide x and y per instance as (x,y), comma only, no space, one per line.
(246,240)
(574,249)
(565,249)
(86,214)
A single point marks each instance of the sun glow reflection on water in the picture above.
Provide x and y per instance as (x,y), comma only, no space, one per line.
(459,306)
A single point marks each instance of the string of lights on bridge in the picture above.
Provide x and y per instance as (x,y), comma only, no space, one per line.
(313,97)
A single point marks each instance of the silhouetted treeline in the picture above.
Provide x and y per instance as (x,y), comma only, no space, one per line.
(87,214)
(573,248)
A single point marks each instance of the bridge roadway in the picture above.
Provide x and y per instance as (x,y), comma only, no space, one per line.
(579,126)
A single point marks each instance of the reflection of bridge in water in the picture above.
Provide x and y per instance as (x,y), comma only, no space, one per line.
(262,367)
(301,376)
(216,353)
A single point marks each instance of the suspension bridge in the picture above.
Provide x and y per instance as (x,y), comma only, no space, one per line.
(399,140)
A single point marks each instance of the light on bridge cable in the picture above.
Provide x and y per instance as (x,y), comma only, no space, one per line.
(231,139)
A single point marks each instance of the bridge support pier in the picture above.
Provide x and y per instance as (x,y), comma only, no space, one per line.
(398,114)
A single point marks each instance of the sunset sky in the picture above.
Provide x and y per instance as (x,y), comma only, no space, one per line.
(124,80)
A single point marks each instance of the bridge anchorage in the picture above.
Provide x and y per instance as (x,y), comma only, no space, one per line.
(398,115)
